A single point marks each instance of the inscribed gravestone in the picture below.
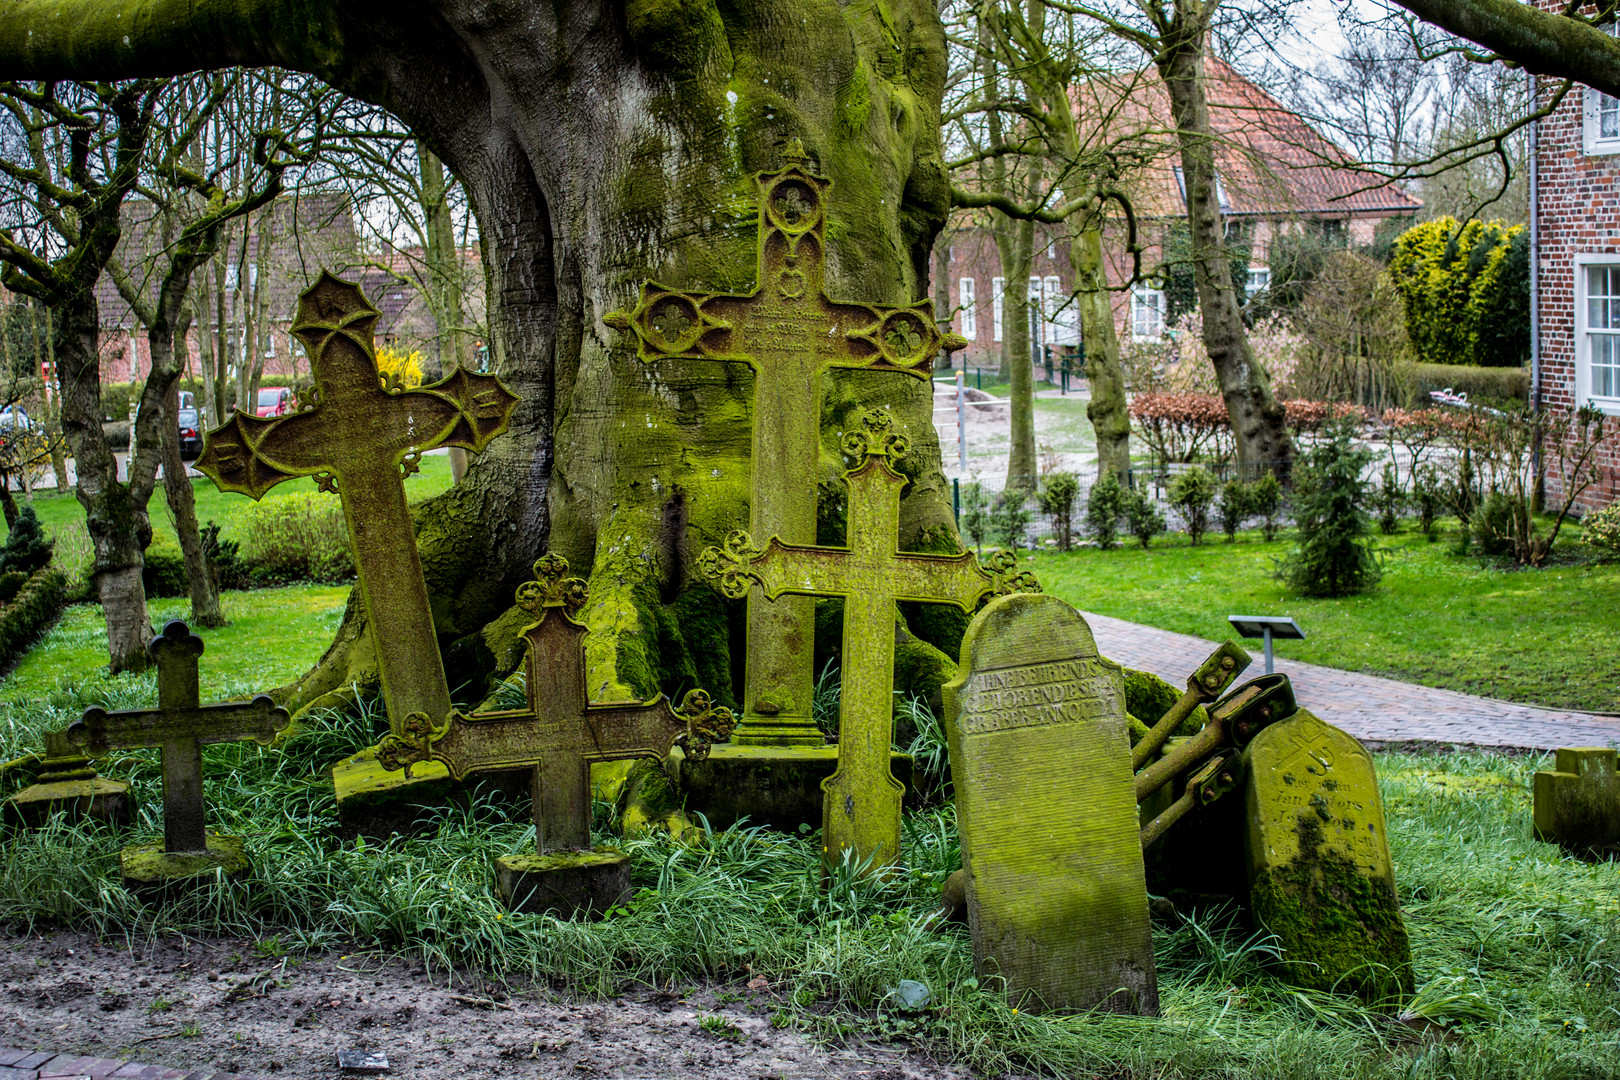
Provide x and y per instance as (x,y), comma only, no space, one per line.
(861,800)
(791,334)
(1320,875)
(1052,858)
(1577,804)
(68,785)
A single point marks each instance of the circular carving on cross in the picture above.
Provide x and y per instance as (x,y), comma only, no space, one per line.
(552,587)
(790,283)
(793,206)
(904,337)
(674,322)
(878,440)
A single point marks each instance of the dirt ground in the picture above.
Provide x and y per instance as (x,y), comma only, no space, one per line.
(221,1005)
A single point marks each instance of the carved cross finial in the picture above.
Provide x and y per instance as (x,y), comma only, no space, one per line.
(794,153)
(1007,578)
(552,588)
(878,440)
(732,563)
(706,724)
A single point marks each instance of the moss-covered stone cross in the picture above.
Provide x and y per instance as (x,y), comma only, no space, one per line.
(861,800)
(180,725)
(561,732)
(355,437)
(791,335)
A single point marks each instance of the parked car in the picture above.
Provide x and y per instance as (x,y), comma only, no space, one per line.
(273,401)
(12,418)
(191,439)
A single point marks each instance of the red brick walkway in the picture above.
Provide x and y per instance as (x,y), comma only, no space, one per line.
(44,1065)
(1373,709)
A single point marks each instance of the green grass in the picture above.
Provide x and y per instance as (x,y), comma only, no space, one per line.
(274,636)
(1547,637)
(58,510)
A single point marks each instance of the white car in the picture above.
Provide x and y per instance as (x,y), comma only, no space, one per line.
(12,418)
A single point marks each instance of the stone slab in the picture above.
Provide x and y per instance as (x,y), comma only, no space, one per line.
(1577,803)
(157,876)
(1041,758)
(375,803)
(570,883)
(1320,875)
(97,798)
(778,786)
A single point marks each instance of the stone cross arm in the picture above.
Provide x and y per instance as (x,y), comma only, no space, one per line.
(100,731)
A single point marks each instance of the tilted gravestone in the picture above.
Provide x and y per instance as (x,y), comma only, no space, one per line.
(1320,875)
(181,726)
(861,800)
(1041,761)
(1577,804)
(68,786)
(557,737)
(359,439)
(791,335)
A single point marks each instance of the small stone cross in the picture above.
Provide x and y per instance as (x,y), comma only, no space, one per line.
(861,800)
(180,725)
(1577,802)
(354,437)
(561,732)
(791,335)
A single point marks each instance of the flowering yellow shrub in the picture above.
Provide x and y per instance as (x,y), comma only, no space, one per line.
(399,370)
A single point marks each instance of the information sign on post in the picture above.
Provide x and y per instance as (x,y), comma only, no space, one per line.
(1268,627)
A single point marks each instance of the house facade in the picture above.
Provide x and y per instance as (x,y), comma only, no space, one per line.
(1276,175)
(1575,263)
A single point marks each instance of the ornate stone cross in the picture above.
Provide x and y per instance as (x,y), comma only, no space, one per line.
(180,725)
(354,437)
(861,801)
(561,731)
(790,334)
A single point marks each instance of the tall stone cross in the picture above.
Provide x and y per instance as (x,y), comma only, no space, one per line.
(791,335)
(861,800)
(355,437)
(180,725)
(561,732)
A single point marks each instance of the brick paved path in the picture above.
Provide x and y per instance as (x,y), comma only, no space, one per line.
(1377,710)
(44,1065)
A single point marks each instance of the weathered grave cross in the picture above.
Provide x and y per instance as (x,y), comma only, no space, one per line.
(790,334)
(861,800)
(561,732)
(355,438)
(180,725)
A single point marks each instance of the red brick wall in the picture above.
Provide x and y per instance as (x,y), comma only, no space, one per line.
(1578,213)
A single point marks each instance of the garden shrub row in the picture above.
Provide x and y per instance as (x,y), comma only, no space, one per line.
(32,608)
(1481,384)
(286,540)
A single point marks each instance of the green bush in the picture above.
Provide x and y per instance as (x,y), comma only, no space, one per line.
(224,558)
(27,548)
(1482,384)
(1467,291)
(1233,506)
(295,538)
(1389,499)
(11,583)
(165,571)
(1265,502)
(1143,516)
(1333,557)
(1427,499)
(1009,519)
(1492,524)
(1058,494)
(1602,529)
(1104,506)
(1191,493)
(975,514)
(32,609)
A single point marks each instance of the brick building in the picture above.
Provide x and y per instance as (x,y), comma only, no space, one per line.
(1575,263)
(1276,175)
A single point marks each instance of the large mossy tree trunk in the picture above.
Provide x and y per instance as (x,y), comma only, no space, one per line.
(1015,244)
(602,144)
(1110,419)
(1259,426)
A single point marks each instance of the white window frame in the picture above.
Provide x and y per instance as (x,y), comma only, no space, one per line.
(998,286)
(1141,295)
(1594,105)
(1583,333)
(1260,274)
(966,305)
(1063,315)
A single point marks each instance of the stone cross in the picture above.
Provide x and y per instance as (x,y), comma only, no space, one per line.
(354,437)
(180,725)
(1054,883)
(791,335)
(1577,804)
(561,732)
(861,800)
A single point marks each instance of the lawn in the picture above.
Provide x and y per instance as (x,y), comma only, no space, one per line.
(1547,637)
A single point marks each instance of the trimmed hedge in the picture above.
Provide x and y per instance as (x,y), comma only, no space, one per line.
(34,607)
(1481,384)
(1467,291)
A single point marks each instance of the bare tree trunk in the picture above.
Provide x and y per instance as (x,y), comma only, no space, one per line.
(1017,254)
(1259,426)
(1107,412)
(166,367)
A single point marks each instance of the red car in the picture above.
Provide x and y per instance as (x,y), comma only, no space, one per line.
(273,401)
